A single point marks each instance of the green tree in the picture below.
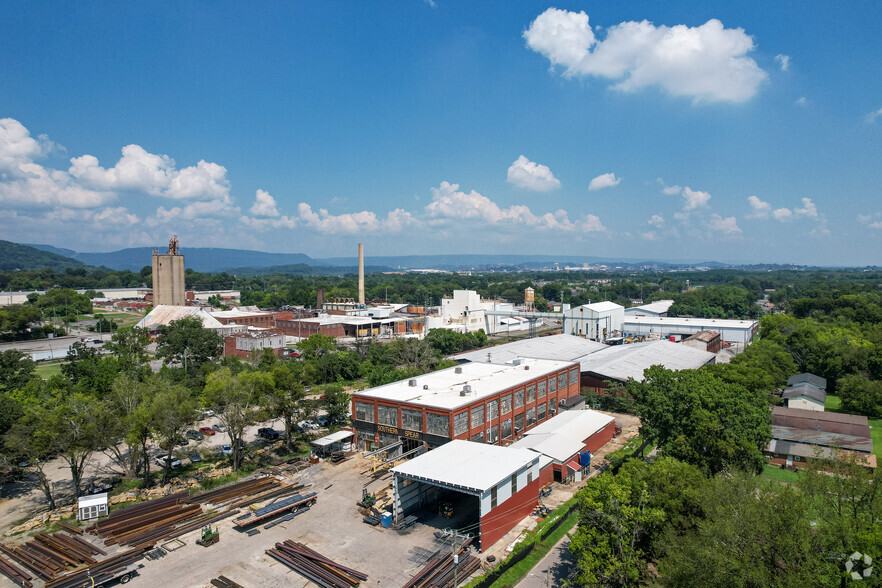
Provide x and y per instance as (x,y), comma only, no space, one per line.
(336,402)
(284,399)
(88,371)
(187,343)
(16,369)
(316,345)
(172,407)
(236,401)
(129,346)
(751,537)
(860,395)
(697,418)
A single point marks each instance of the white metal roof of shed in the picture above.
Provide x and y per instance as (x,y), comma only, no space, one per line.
(563,436)
(657,307)
(332,438)
(710,324)
(94,500)
(621,362)
(471,466)
(558,347)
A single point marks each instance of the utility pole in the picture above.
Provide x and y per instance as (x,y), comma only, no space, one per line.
(456,539)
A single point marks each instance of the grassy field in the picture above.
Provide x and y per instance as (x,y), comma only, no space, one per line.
(834,404)
(776,473)
(48,369)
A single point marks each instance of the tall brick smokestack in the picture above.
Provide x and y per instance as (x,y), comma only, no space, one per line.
(361,273)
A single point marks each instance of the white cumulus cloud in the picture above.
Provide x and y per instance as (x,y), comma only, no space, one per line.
(352,222)
(604,181)
(264,204)
(783,61)
(530,175)
(871,221)
(708,63)
(871,118)
(450,203)
(693,199)
(727,226)
(758,208)
(657,220)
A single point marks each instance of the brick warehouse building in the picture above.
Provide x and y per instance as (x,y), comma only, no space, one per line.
(480,402)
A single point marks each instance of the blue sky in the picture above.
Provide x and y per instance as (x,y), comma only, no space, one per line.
(731,131)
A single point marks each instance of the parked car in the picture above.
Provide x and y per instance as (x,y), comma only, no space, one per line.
(207,431)
(227,449)
(160,461)
(100,486)
(324,421)
(183,441)
(310,425)
(206,412)
(268,433)
(219,428)
(195,435)
(195,458)
(97,341)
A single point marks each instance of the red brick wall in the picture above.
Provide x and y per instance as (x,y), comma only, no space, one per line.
(297,329)
(600,438)
(500,520)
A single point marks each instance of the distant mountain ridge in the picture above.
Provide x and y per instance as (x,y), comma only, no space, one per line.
(247,262)
(200,259)
(14,256)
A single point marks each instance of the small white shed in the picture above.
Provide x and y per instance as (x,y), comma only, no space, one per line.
(92,507)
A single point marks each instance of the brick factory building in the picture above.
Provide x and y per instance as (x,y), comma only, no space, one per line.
(243,344)
(480,402)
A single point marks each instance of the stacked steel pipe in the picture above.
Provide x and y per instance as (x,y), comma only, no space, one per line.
(224,582)
(315,567)
(439,571)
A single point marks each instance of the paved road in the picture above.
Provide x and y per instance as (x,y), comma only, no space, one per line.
(553,569)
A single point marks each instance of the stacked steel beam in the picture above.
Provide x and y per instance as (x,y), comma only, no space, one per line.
(440,570)
(16,574)
(246,492)
(100,572)
(298,501)
(143,525)
(49,555)
(224,582)
(315,567)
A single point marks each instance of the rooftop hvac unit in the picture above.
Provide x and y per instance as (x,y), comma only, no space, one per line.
(466,390)
(411,383)
(425,386)
(457,370)
(526,367)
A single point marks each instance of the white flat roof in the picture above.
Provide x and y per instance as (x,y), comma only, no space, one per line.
(164,314)
(657,307)
(702,323)
(563,436)
(620,362)
(348,320)
(94,500)
(464,464)
(604,306)
(332,438)
(558,347)
(237,313)
(442,389)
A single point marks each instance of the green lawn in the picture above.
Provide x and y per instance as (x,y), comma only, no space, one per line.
(48,369)
(776,473)
(834,404)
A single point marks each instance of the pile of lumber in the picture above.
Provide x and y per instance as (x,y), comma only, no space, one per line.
(315,567)
(49,555)
(246,492)
(439,571)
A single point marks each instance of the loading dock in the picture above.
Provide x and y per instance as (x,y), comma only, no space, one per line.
(474,488)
